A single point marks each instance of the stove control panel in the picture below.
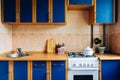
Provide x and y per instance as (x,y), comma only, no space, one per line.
(83,63)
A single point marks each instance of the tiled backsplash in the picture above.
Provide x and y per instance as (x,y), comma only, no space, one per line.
(75,34)
(5,38)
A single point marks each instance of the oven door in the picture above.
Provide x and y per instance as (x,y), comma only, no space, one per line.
(83,75)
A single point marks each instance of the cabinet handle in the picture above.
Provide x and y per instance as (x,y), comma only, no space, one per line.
(57,65)
(39,65)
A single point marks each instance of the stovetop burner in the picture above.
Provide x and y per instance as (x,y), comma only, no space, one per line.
(79,55)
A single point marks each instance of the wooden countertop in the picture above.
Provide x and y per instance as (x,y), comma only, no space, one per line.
(108,56)
(41,56)
(38,56)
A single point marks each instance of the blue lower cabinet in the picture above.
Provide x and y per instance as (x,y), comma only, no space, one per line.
(111,70)
(39,70)
(20,70)
(58,70)
(4,70)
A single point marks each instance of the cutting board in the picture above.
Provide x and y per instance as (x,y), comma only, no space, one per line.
(51,45)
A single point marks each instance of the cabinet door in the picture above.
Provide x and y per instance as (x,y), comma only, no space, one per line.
(25,10)
(39,70)
(4,70)
(80,2)
(104,11)
(42,10)
(110,70)
(9,10)
(20,70)
(58,70)
(58,11)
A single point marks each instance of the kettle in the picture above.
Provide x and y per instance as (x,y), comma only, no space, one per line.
(88,51)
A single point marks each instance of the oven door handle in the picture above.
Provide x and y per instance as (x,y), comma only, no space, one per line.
(83,69)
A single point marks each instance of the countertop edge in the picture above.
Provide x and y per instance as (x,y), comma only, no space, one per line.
(108,56)
(36,56)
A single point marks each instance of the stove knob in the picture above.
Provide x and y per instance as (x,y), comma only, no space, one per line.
(75,65)
(92,65)
(88,65)
(80,65)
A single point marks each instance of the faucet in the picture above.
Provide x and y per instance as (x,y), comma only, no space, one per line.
(20,51)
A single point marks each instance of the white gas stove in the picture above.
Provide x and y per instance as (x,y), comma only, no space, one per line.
(82,67)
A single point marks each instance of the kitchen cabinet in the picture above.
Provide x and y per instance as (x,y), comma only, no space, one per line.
(103,12)
(8,11)
(50,11)
(4,70)
(110,69)
(79,4)
(39,70)
(25,11)
(36,11)
(58,70)
(58,11)
(42,11)
(20,70)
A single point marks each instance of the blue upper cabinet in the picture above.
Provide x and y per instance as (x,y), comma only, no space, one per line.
(104,11)
(8,10)
(25,10)
(42,10)
(58,11)
(34,11)
(110,70)
(4,70)
(20,70)
(80,2)
(50,11)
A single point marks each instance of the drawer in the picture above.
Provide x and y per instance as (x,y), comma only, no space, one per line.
(39,65)
(58,64)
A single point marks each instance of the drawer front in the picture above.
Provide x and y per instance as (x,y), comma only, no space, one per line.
(39,65)
(80,2)
(58,64)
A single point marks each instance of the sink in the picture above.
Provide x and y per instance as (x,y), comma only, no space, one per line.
(16,55)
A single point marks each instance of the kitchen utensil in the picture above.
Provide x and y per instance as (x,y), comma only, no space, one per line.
(51,45)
